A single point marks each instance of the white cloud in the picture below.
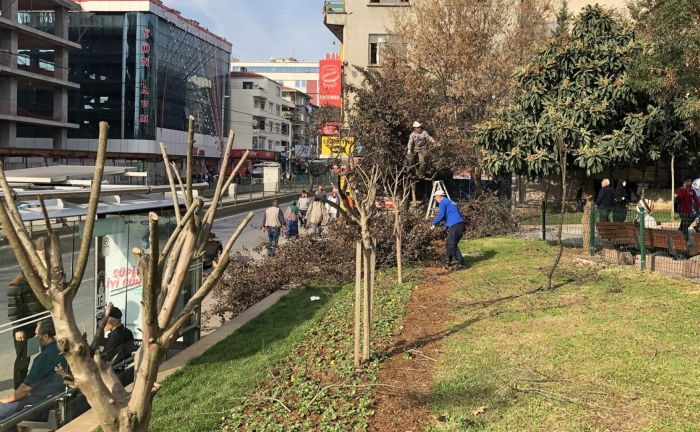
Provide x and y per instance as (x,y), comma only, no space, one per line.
(260,29)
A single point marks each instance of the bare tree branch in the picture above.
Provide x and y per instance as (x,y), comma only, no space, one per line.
(100,331)
(44,213)
(91,216)
(190,149)
(14,223)
(176,234)
(208,285)
(179,179)
(25,263)
(171,181)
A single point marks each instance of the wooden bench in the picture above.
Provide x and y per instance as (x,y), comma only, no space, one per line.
(668,240)
(618,235)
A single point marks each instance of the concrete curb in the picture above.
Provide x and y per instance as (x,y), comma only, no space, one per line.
(88,421)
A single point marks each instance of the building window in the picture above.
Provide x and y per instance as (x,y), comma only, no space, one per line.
(279,91)
(257,103)
(247,85)
(262,105)
(279,110)
(285,128)
(376,45)
(255,143)
(261,143)
(270,107)
(303,83)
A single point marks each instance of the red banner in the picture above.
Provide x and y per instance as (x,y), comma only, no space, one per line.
(330,80)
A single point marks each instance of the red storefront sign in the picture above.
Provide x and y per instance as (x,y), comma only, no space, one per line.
(330,80)
(254,154)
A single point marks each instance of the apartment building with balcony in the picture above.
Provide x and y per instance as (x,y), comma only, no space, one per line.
(300,115)
(364,28)
(34,78)
(290,72)
(257,114)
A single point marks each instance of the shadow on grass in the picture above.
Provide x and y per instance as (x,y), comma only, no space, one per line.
(195,397)
(483,256)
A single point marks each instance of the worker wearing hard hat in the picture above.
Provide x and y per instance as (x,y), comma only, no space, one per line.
(454,223)
(418,143)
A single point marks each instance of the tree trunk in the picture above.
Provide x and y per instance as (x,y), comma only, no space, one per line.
(562,157)
(413,195)
(673,184)
(478,186)
(586,225)
(359,260)
(367,320)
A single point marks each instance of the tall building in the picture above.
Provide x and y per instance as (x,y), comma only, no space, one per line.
(299,75)
(34,80)
(363,26)
(300,115)
(144,69)
(257,116)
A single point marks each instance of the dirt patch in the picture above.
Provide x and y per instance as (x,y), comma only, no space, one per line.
(413,355)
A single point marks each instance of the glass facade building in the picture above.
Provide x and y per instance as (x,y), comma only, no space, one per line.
(143,72)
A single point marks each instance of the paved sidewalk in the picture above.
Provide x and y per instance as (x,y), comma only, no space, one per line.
(88,421)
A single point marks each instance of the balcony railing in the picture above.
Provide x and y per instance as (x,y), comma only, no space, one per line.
(335,7)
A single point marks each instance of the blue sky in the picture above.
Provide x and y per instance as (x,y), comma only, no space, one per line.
(260,29)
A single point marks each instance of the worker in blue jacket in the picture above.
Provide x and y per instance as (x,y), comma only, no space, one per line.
(449,213)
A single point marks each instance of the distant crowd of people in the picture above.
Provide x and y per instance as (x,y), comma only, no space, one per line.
(613,204)
(306,212)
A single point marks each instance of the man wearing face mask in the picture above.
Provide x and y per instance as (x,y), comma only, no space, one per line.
(42,381)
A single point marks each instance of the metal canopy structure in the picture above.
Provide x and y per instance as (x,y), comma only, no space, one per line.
(61,173)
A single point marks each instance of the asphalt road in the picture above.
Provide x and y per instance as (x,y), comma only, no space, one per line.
(84,302)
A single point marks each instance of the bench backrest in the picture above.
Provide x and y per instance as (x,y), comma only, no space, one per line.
(615,233)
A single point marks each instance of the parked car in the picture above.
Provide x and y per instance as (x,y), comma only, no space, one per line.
(212,251)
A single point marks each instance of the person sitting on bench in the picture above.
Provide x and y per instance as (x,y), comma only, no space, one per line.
(42,381)
(120,341)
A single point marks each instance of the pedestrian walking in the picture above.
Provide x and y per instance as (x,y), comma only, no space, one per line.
(332,211)
(273,222)
(448,212)
(686,198)
(22,305)
(605,201)
(303,205)
(291,219)
(315,216)
(320,191)
(581,197)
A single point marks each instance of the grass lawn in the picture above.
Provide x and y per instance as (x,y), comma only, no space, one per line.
(608,349)
(193,398)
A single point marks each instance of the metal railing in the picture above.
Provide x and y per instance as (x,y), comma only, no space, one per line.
(55,418)
(335,7)
(631,235)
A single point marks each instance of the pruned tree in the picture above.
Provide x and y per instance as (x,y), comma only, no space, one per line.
(163,271)
(398,185)
(467,50)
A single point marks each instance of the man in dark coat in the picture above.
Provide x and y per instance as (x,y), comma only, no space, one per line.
(605,201)
(622,196)
(120,342)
